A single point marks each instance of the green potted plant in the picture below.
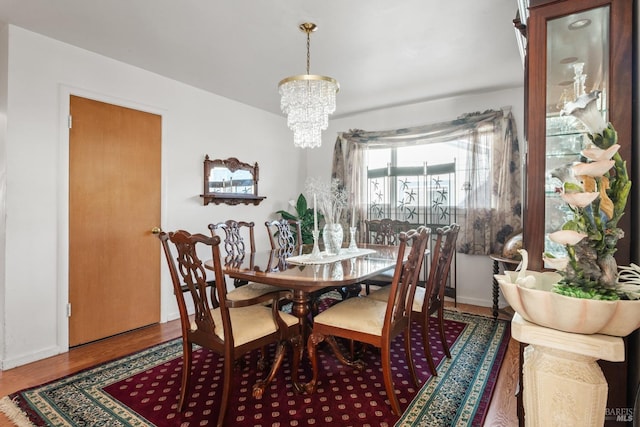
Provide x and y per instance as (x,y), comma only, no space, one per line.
(304,214)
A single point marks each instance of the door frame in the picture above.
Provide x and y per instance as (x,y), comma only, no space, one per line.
(62,247)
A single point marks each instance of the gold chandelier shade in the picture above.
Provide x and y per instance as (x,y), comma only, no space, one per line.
(310,77)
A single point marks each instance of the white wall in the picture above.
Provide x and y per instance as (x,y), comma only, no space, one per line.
(42,72)
(38,75)
(474,272)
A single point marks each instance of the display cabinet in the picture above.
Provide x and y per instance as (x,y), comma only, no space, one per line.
(574,46)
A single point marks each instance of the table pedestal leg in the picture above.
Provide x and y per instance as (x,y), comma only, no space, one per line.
(300,309)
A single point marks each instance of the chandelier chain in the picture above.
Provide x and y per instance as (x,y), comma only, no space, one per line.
(308,51)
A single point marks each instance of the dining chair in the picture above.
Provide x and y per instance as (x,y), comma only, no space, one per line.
(283,239)
(430,299)
(236,234)
(231,328)
(374,322)
(285,235)
(384,231)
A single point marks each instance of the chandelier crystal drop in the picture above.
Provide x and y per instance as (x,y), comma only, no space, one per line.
(307,100)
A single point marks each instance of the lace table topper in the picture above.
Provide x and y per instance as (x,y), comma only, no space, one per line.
(308,259)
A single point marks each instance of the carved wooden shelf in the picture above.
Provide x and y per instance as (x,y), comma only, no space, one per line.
(230,181)
(232,199)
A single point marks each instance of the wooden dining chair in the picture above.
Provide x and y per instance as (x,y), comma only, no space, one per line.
(230,328)
(374,322)
(285,241)
(285,235)
(234,239)
(429,300)
(235,233)
(384,231)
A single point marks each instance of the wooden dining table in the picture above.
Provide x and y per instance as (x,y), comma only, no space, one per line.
(273,267)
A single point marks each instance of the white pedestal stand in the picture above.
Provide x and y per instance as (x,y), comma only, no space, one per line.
(563,384)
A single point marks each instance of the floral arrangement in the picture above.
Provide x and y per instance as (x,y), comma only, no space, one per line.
(597,193)
(331,198)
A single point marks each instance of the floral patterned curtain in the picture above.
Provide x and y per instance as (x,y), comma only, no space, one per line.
(348,167)
(489,213)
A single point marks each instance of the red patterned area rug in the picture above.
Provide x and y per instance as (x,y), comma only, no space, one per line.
(142,389)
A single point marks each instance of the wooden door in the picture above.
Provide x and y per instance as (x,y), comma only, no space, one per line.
(114,201)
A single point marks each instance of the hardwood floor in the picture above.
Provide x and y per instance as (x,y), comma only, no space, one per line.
(502,411)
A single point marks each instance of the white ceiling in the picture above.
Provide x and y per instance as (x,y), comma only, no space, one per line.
(383,53)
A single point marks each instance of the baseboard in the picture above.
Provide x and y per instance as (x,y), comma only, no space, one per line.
(480,302)
(28,358)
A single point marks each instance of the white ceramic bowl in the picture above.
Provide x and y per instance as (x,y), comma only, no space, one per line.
(581,316)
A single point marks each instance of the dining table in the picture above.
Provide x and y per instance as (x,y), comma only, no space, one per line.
(304,273)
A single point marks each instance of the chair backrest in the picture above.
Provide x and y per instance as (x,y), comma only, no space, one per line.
(384,231)
(234,242)
(405,277)
(443,252)
(285,235)
(187,271)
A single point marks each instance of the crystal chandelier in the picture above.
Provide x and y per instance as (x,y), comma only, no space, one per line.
(307,100)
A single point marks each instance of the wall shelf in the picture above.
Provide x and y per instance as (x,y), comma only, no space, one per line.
(232,199)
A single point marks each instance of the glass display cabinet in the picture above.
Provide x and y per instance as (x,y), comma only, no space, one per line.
(573,47)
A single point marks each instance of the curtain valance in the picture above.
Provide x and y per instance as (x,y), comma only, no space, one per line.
(490,212)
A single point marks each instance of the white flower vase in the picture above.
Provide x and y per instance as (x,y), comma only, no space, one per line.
(332,235)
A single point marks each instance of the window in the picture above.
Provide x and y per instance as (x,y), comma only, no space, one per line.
(466,170)
(424,183)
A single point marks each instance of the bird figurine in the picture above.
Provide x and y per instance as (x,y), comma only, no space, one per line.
(522,279)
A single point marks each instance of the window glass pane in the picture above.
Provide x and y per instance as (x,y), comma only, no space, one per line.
(378,158)
(415,155)
(433,154)
(405,192)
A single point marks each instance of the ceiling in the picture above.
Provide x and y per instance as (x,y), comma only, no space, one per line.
(383,53)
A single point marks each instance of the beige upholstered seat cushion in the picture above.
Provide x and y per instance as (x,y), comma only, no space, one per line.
(382,294)
(251,290)
(249,323)
(358,314)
